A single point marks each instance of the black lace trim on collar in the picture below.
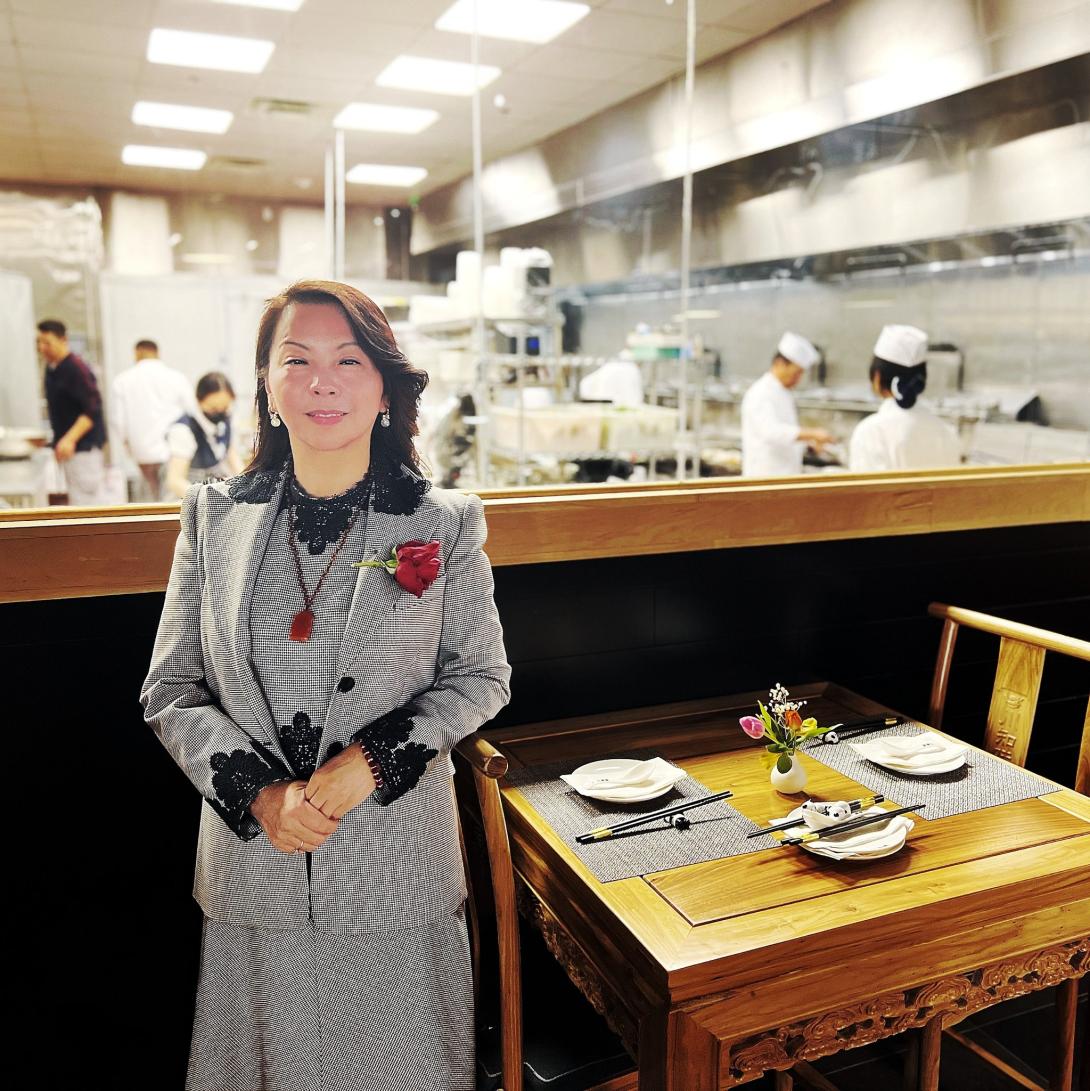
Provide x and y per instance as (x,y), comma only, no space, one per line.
(319,521)
(395,490)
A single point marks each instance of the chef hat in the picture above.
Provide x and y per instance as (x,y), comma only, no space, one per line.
(798,350)
(904,345)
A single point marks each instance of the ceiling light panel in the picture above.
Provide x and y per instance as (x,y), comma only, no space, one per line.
(219,51)
(383,174)
(143,155)
(438,77)
(375,118)
(191,119)
(537,21)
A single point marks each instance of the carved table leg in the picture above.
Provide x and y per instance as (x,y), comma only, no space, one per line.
(784,1082)
(910,1072)
(1067,1001)
(930,1052)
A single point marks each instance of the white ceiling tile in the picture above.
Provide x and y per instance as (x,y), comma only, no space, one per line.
(319,63)
(94,37)
(78,62)
(421,13)
(115,12)
(45,91)
(364,37)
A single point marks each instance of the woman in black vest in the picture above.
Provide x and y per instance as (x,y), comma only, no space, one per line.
(200,442)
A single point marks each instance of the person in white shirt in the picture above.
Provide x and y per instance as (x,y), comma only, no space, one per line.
(903,434)
(772,441)
(200,441)
(145,399)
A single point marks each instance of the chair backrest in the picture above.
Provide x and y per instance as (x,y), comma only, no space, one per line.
(1017,681)
(488,765)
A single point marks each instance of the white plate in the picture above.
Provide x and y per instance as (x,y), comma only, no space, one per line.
(929,770)
(874,849)
(616,766)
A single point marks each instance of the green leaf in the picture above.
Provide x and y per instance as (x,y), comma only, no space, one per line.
(774,748)
(809,722)
(765,715)
(783,763)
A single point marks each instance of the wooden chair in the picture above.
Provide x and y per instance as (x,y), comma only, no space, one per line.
(1015,691)
(487,766)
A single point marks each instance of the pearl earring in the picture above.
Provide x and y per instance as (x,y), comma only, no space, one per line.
(274,419)
(384,418)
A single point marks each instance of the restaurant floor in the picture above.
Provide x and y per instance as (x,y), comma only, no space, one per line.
(584,1054)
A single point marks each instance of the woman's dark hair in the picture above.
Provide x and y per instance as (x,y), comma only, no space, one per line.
(401,382)
(213,383)
(906,384)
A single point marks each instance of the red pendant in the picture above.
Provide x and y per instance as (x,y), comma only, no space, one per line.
(302,625)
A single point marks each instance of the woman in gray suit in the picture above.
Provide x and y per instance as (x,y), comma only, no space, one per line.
(329,634)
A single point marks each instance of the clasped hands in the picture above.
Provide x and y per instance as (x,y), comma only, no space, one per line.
(300,815)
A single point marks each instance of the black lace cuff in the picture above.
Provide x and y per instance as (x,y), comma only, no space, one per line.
(401,768)
(237,779)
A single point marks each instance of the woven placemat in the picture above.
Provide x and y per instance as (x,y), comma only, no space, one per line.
(983,781)
(717,830)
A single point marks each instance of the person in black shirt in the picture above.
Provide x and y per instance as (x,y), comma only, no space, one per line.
(75,415)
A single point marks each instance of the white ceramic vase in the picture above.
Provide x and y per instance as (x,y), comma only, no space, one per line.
(791,782)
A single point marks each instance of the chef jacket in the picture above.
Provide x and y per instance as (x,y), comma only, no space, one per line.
(902,439)
(146,400)
(770,430)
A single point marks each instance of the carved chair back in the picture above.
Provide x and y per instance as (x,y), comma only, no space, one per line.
(487,765)
(1017,681)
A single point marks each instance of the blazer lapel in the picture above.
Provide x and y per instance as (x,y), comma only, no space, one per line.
(377,594)
(244,534)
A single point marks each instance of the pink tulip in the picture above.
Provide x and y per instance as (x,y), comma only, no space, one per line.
(752,726)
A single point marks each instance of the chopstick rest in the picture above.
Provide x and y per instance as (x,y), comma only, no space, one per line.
(853,804)
(847,827)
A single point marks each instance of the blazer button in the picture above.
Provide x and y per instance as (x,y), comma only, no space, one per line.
(345,684)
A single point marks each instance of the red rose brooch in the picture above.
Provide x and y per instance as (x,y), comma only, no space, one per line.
(415,565)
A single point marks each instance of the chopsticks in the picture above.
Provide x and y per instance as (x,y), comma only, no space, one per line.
(855,804)
(855,824)
(852,728)
(604,832)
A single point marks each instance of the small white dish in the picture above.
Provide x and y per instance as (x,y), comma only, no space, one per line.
(599,780)
(869,843)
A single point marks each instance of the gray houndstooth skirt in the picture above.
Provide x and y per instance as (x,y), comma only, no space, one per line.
(299,1010)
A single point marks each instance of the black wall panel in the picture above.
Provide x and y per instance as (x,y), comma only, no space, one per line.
(102,834)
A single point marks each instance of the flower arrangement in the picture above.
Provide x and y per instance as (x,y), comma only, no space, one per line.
(783,725)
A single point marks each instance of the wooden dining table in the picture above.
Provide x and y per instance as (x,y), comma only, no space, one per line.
(714,973)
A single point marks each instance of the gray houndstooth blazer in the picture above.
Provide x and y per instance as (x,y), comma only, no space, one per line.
(417,676)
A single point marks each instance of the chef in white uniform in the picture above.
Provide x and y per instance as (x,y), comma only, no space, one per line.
(772,441)
(903,434)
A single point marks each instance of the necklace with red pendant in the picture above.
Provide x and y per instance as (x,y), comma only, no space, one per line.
(302,625)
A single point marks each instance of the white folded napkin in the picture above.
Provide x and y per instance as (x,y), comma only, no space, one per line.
(911,752)
(869,842)
(644,776)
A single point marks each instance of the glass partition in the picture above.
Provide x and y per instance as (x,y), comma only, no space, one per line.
(585,316)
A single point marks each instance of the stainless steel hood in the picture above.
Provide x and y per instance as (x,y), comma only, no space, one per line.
(847,63)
